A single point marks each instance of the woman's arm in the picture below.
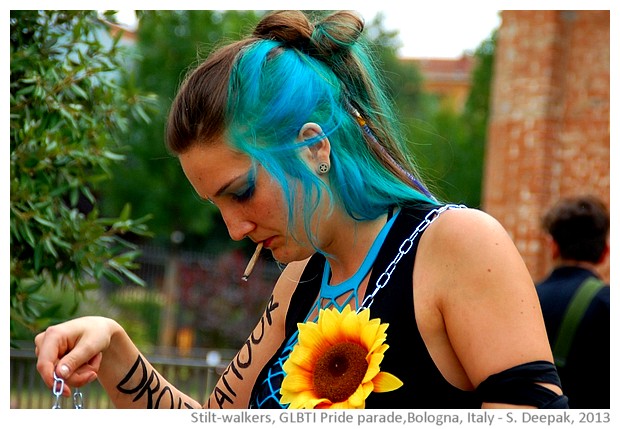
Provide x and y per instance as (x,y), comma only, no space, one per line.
(234,388)
(483,297)
(89,348)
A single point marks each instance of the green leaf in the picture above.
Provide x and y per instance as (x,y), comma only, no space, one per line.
(26,90)
(112,276)
(27,233)
(45,222)
(125,213)
(89,286)
(71,108)
(134,278)
(79,92)
(50,247)
(68,117)
(38,256)
(113,156)
(31,286)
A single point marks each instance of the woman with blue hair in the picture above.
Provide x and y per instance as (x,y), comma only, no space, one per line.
(388,299)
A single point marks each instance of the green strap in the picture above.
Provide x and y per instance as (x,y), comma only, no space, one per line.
(572,317)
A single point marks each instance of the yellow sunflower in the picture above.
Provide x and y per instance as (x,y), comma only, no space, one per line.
(335,363)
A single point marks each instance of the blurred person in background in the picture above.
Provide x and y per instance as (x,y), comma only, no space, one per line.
(578,237)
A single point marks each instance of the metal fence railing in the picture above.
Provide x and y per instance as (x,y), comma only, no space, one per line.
(191,375)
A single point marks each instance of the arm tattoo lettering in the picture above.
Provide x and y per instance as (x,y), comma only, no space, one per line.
(271,306)
(221,396)
(139,382)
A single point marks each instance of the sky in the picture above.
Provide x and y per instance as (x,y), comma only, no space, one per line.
(426,32)
(432,32)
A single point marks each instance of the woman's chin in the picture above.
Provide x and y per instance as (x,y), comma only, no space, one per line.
(285,256)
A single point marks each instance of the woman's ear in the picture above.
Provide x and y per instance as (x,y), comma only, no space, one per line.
(318,152)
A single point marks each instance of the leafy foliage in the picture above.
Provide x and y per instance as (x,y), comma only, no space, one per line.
(69,113)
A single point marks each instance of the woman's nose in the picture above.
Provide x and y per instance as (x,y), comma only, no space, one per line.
(238,226)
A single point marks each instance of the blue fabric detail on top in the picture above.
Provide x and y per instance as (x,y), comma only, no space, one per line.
(333,292)
(268,394)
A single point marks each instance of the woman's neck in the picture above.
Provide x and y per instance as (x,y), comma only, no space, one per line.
(349,243)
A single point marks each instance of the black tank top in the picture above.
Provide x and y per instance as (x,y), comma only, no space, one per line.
(407,357)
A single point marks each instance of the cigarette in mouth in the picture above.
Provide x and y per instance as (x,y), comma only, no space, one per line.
(253,259)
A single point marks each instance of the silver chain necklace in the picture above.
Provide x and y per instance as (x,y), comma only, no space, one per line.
(404,248)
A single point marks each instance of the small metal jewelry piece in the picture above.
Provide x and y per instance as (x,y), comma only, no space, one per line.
(323,168)
(57,389)
(78,399)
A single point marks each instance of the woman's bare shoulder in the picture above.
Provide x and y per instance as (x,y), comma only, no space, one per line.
(465,222)
(473,274)
(466,234)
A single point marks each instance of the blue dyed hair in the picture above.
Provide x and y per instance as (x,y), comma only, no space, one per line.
(290,73)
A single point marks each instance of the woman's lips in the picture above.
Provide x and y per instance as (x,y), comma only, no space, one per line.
(267,242)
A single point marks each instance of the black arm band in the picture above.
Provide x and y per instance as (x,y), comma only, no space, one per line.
(518,386)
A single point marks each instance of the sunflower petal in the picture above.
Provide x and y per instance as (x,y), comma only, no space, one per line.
(368,336)
(296,381)
(339,406)
(304,357)
(375,358)
(373,367)
(317,402)
(368,388)
(329,321)
(364,316)
(311,336)
(351,328)
(327,404)
(300,400)
(358,398)
(373,337)
(386,382)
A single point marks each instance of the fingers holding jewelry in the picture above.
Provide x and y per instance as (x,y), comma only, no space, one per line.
(73,349)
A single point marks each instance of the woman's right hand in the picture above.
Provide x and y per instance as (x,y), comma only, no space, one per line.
(74,350)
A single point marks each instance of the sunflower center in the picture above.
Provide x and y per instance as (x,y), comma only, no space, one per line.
(339,371)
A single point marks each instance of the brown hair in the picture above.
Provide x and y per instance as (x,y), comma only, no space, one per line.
(197,112)
(580,227)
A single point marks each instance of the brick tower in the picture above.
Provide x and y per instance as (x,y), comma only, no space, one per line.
(549,127)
